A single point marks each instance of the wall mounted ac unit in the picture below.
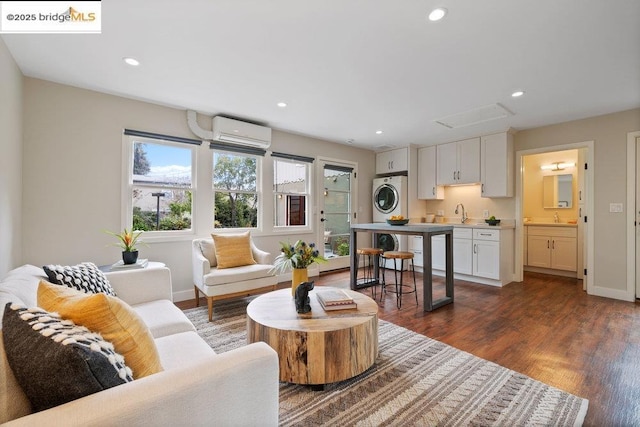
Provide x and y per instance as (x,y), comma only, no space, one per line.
(241,133)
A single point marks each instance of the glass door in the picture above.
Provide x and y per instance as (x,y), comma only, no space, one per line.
(335,209)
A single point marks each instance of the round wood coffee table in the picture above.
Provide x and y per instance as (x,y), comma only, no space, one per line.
(319,347)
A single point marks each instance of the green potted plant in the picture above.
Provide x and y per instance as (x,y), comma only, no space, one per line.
(297,258)
(127,241)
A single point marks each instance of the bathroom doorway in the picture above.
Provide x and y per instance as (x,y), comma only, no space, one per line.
(554,201)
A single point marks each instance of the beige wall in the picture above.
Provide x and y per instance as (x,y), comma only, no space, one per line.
(73,168)
(609,133)
(10,162)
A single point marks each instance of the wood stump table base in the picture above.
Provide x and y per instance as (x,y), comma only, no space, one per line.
(319,347)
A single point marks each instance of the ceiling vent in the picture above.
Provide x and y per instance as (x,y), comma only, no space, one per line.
(232,131)
(474,117)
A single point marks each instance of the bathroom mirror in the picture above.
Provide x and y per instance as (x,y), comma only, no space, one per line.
(557,191)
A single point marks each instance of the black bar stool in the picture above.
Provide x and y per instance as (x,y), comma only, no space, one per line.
(368,257)
(399,286)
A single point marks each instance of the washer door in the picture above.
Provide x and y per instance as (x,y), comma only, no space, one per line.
(387,242)
(386,198)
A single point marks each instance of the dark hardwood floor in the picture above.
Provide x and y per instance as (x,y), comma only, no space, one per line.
(546,327)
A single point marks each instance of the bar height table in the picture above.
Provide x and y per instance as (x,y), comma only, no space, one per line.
(421,229)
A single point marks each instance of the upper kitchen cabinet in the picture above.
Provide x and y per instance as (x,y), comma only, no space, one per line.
(392,161)
(497,165)
(428,189)
(458,162)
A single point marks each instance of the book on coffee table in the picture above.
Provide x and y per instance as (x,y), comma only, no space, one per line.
(335,299)
(343,306)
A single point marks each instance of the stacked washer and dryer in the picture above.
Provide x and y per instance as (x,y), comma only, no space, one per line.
(390,198)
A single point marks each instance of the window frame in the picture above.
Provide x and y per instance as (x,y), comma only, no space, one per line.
(308,194)
(127,188)
(258,191)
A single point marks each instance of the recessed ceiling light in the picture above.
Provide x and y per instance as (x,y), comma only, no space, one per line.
(378,132)
(437,14)
(517,93)
(281,104)
(131,61)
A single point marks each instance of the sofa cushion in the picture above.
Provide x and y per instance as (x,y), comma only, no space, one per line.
(56,361)
(238,274)
(179,350)
(233,250)
(20,286)
(85,277)
(111,317)
(162,317)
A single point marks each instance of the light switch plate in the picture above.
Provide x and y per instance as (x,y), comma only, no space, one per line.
(615,207)
(440,212)
(485,213)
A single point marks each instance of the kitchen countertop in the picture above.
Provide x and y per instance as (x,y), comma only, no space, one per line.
(504,224)
(549,224)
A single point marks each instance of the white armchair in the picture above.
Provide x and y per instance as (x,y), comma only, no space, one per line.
(218,284)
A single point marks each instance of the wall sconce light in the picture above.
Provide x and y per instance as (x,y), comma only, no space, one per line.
(557,166)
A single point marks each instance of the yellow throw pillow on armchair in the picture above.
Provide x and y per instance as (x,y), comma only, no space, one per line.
(109,316)
(233,250)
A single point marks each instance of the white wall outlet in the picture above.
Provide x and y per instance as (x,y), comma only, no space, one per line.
(615,207)
(485,213)
(440,212)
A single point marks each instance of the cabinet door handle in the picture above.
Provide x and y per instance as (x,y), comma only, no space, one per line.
(553,244)
(458,175)
(434,191)
(454,175)
(580,195)
(547,244)
(484,234)
(482,188)
(392,164)
(475,249)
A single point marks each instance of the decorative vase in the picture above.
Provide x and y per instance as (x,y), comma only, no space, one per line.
(299,275)
(129,257)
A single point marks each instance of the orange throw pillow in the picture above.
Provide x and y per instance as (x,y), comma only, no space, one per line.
(109,316)
(233,250)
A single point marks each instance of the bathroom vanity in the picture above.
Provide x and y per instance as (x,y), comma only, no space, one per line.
(552,248)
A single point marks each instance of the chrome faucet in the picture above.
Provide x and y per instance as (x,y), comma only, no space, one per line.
(556,218)
(464,215)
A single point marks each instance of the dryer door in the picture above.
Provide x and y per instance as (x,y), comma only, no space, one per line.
(385,198)
(387,242)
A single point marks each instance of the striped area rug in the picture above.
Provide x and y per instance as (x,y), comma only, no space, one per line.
(416,381)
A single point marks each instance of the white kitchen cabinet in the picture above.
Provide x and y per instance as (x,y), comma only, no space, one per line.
(428,188)
(392,161)
(482,255)
(458,162)
(496,167)
(552,247)
(486,253)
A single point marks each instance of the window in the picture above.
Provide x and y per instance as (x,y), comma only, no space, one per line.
(235,187)
(291,192)
(161,183)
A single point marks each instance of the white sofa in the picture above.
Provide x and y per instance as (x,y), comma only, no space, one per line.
(197,386)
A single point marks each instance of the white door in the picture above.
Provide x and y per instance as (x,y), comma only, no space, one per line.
(335,195)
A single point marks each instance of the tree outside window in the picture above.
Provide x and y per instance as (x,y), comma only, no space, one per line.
(235,190)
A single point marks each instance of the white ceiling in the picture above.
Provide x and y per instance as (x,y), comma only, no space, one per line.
(347,68)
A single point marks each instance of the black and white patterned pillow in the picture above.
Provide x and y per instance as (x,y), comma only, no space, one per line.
(56,361)
(85,277)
